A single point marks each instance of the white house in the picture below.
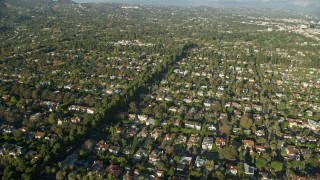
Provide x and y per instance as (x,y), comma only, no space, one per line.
(207,143)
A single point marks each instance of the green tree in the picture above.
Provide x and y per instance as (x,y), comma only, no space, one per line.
(133,107)
(13,101)
(240,169)
(176,159)
(245,121)
(277,166)
(313,162)
(261,163)
(298,165)
(71,176)
(219,175)
(281,106)
(17,133)
(228,152)
(209,165)
(171,172)
(60,175)
(21,103)
(134,146)
(52,119)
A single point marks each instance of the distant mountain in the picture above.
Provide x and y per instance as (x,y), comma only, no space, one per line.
(65,1)
(34,3)
(297,5)
(3,7)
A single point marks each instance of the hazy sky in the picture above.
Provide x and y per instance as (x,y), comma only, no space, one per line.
(302,5)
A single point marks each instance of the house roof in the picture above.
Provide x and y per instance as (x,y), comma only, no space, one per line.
(260,147)
(114,170)
(291,150)
(248,143)
(231,168)
(39,134)
(168,136)
(220,140)
(248,169)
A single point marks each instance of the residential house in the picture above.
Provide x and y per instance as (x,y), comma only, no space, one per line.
(114,150)
(140,154)
(187,100)
(35,117)
(39,135)
(193,140)
(236,130)
(286,136)
(173,109)
(265,175)
(299,177)
(182,139)
(236,105)
(88,110)
(24,129)
(127,151)
(168,98)
(101,146)
(247,107)
(199,162)
(156,133)
(292,122)
(151,121)
(193,110)
(228,104)
(207,103)
(177,122)
(193,125)
(7,128)
(211,127)
(261,149)
(155,156)
(257,107)
(220,142)
(315,176)
(232,170)
(248,170)
(248,144)
(168,137)
(114,170)
(133,130)
(314,125)
(160,174)
(143,133)
(75,120)
(6,147)
(6,98)
(292,153)
(260,133)
(70,160)
(132,116)
(61,121)
(237,113)
(184,163)
(143,118)
(17,151)
(207,143)
(300,139)
(97,167)
(121,130)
